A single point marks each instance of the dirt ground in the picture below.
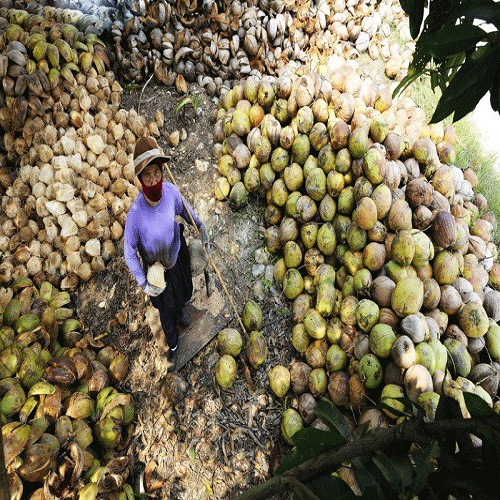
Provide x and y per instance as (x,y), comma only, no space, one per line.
(213,443)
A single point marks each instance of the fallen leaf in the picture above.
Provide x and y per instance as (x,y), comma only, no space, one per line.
(152,481)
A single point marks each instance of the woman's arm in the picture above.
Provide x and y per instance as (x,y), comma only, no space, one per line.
(180,209)
(130,243)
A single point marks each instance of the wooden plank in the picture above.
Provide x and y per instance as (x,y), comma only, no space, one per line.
(208,316)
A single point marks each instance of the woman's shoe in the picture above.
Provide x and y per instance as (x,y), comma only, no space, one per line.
(172,358)
(184,318)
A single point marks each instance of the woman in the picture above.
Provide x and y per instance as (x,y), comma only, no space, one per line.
(151,230)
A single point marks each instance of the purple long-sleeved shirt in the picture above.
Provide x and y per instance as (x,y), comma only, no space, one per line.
(154,232)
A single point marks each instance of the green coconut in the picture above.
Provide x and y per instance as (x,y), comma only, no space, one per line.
(374,165)
(492,338)
(370,371)
(318,382)
(446,268)
(335,182)
(390,397)
(279,159)
(325,297)
(318,136)
(226,371)
(358,142)
(365,214)
(305,119)
(300,338)
(315,324)
(424,355)
(301,148)
(336,358)
(346,201)
(252,316)
(240,123)
(267,175)
(357,237)
(327,208)
(429,402)
(362,188)
(459,357)
(403,248)
(291,422)
(326,159)
(379,129)
(238,197)
(273,216)
(279,270)
(367,314)
(222,188)
(292,254)
(326,239)
(343,161)
(382,338)
(291,203)
(382,197)
(230,341)
(408,296)
(309,233)
(305,209)
(279,380)
(362,282)
(279,193)
(293,177)
(251,179)
(293,283)
(316,184)
(256,349)
(265,93)
(473,320)
(440,354)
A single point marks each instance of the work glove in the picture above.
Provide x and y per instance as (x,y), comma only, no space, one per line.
(204,238)
(152,291)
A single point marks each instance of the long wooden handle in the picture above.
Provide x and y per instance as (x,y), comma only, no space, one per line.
(210,260)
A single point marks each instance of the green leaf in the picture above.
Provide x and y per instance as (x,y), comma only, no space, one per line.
(368,485)
(495,92)
(308,437)
(451,40)
(183,102)
(468,101)
(331,486)
(477,406)
(478,9)
(412,75)
(415,11)
(299,456)
(333,418)
(461,95)
(388,470)
(424,466)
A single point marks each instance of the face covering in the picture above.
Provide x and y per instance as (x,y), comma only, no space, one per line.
(153,193)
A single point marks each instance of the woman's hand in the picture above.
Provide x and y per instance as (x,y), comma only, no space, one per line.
(204,238)
(152,291)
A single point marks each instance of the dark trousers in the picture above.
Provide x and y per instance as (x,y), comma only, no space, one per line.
(178,290)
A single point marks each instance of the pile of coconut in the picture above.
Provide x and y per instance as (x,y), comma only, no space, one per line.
(383,245)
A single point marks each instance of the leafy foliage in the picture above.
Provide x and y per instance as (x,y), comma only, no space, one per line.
(458,47)
(433,469)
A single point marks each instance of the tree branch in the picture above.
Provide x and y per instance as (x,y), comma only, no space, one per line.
(412,431)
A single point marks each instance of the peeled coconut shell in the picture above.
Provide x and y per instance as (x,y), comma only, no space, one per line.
(156,275)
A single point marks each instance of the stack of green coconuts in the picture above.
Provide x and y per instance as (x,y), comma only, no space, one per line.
(384,247)
(65,425)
